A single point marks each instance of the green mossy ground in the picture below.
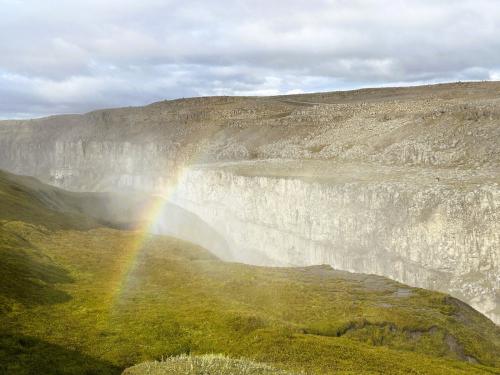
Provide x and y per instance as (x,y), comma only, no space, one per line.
(76,298)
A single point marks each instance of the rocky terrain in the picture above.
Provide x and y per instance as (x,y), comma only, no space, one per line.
(400,182)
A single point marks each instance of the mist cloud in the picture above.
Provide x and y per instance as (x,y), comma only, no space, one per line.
(74,56)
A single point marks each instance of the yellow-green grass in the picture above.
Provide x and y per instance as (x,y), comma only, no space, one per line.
(92,300)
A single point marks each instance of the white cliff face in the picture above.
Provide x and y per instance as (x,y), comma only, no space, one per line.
(93,165)
(436,237)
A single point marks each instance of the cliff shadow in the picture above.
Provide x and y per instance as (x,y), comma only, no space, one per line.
(27,276)
(27,355)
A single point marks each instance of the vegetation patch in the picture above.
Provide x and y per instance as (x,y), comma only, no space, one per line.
(208,364)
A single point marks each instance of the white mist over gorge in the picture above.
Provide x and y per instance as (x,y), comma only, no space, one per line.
(398,182)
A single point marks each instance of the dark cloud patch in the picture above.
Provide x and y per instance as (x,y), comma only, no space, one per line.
(58,56)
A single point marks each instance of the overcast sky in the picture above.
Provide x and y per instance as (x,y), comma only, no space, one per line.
(75,56)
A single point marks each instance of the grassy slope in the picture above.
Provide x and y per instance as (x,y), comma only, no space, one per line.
(79,298)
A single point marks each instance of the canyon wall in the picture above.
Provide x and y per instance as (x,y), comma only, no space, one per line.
(429,235)
(401,182)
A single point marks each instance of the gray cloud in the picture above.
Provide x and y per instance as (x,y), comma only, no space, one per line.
(73,56)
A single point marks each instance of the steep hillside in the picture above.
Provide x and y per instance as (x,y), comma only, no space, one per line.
(400,182)
(77,297)
(26,199)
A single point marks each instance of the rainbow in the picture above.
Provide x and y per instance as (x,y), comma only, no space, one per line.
(151,213)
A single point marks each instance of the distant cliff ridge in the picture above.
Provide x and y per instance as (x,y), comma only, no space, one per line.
(401,182)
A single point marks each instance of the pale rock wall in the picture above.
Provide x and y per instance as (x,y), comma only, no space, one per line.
(92,165)
(434,237)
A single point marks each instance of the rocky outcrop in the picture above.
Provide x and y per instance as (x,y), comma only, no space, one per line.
(401,182)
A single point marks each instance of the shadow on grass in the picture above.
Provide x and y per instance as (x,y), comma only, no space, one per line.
(29,277)
(23,355)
